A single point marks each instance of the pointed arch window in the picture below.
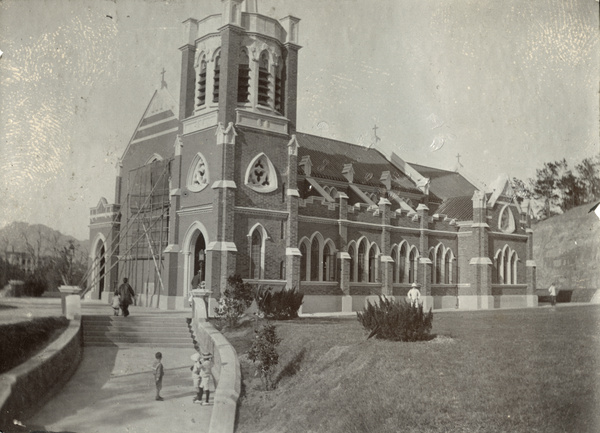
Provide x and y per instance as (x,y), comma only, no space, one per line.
(412,265)
(506,220)
(243,77)
(361,262)
(402,263)
(303,261)
(261,175)
(202,83)
(263,79)
(352,254)
(217,78)
(198,177)
(395,266)
(329,261)
(506,262)
(256,255)
(314,259)
(373,268)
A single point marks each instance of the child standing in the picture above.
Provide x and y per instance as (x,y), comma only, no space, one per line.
(207,383)
(115,304)
(158,374)
(196,377)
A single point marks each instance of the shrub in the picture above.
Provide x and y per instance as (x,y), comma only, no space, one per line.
(234,302)
(279,305)
(264,353)
(396,321)
(35,285)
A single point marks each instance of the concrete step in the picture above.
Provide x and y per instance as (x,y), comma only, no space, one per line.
(148,330)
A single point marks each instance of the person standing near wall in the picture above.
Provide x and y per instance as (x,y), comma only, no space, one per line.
(552,291)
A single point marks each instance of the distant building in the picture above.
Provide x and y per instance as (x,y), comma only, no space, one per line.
(223,183)
(20,259)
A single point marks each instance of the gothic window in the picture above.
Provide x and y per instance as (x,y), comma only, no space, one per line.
(506,260)
(395,266)
(352,254)
(314,259)
(506,220)
(256,255)
(361,262)
(373,268)
(402,263)
(278,90)
(217,78)
(263,79)
(244,77)
(261,175)
(202,83)
(198,174)
(329,260)
(448,262)
(439,279)
(303,261)
(413,258)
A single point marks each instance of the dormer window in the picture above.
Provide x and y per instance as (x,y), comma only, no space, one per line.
(263,80)
(260,175)
(244,78)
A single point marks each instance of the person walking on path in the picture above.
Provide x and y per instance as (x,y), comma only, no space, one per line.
(126,296)
(207,381)
(414,295)
(552,290)
(159,372)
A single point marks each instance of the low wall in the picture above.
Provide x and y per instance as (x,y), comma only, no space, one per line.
(29,385)
(227,374)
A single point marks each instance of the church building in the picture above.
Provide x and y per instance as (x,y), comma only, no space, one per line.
(222,183)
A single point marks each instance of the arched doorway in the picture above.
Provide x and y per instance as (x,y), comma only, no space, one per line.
(199,258)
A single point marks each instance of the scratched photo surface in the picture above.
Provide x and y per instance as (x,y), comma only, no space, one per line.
(488,88)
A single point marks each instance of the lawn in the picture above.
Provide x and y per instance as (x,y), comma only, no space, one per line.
(20,341)
(533,370)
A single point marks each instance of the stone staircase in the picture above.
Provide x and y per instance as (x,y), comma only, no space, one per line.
(148,330)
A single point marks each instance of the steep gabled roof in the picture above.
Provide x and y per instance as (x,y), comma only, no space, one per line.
(328,158)
(459,208)
(444,183)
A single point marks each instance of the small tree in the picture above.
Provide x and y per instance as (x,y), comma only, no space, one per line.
(264,354)
(235,301)
(396,321)
(279,305)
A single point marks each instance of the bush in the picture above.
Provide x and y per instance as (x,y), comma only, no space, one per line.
(264,353)
(35,285)
(396,321)
(234,302)
(279,305)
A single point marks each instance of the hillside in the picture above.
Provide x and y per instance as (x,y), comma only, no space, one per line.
(566,248)
(22,237)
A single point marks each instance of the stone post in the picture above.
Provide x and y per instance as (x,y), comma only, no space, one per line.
(424,274)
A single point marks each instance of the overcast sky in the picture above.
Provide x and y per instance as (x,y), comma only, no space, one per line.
(507,84)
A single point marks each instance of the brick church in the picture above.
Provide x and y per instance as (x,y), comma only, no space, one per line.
(222,183)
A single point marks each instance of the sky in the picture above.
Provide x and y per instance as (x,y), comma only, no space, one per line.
(506,85)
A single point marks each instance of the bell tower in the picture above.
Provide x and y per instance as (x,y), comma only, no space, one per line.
(240,67)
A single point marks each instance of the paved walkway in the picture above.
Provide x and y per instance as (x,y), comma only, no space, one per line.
(113,388)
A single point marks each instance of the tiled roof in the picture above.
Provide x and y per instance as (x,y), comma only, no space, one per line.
(460,208)
(328,158)
(444,183)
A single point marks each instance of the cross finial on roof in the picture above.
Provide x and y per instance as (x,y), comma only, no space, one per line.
(458,164)
(163,83)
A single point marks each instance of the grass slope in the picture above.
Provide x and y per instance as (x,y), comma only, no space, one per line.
(508,370)
(20,341)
